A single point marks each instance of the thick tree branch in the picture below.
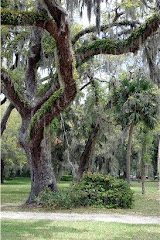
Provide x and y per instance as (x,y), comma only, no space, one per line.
(103,28)
(21,18)
(32,60)
(16,18)
(56,11)
(110,46)
(5,117)
(15,97)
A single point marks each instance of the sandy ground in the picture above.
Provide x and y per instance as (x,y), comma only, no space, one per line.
(130,219)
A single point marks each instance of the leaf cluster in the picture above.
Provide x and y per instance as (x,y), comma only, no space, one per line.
(135,100)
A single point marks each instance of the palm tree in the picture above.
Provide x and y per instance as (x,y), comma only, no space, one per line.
(135,100)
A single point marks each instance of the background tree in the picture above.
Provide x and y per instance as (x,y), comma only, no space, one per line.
(13,158)
(134,102)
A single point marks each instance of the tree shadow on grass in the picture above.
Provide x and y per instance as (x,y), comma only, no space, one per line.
(40,229)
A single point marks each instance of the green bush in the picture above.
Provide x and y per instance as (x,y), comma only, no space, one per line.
(93,190)
(66,178)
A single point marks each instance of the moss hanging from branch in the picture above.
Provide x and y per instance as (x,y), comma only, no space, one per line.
(116,47)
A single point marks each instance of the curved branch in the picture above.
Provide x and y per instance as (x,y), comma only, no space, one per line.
(64,96)
(56,11)
(21,104)
(5,117)
(103,28)
(110,46)
(22,18)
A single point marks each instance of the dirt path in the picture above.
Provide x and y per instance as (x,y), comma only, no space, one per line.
(130,219)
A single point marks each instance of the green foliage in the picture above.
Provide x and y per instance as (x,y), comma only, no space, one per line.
(93,190)
(13,156)
(135,100)
(54,200)
(131,3)
(5,3)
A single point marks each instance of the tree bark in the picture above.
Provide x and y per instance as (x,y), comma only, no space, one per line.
(158,165)
(129,153)
(42,173)
(91,156)
(88,149)
(39,158)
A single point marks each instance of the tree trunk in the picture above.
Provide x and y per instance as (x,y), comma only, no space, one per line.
(143,168)
(88,149)
(91,156)
(39,158)
(129,153)
(42,173)
(143,165)
(2,170)
(158,165)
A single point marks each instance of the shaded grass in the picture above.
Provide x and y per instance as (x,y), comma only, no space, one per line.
(58,230)
(17,190)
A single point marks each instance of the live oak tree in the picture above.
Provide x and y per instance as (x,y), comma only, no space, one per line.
(38,110)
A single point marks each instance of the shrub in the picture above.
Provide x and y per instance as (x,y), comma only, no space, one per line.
(66,178)
(94,190)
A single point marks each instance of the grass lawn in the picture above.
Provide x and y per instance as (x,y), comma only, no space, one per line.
(61,230)
(17,190)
